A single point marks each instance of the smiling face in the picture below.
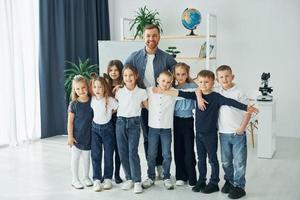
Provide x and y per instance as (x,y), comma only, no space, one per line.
(205,83)
(164,81)
(129,78)
(151,38)
(98,89)
(81,89)
(225,78)
(113,72)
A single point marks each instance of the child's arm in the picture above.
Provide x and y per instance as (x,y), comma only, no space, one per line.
(231,102)
(71,139)
(145,104)
(244,123)
(200,101)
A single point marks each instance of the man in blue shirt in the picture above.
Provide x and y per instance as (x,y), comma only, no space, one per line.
(150,62)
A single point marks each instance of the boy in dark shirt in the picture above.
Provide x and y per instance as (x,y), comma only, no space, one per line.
(206,128)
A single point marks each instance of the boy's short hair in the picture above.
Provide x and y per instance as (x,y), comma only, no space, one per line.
(206,73)
(151,26)
(224,68)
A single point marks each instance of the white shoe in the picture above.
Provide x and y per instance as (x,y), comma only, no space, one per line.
(168,184)
(159,171)
(97,186)
(107,185)
(77,185)
(87,182)
(147,183)
(127,185)
(180,182)
(138,188)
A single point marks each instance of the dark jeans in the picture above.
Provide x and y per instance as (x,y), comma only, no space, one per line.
(102,135)
(117,157)
(234,158)
(155,137)
(184,153)
(145,128)
(128,135)
(207,145)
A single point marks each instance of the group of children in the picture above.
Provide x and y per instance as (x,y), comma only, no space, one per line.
(110,120)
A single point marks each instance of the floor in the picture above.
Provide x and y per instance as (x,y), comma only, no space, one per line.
(40,171)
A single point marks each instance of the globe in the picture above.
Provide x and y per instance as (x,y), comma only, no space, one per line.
(190,19)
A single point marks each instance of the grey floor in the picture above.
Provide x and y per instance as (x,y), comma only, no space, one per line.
(40,170)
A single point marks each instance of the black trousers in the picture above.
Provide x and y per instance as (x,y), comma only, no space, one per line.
(117,157)
(145,128)
(184,153)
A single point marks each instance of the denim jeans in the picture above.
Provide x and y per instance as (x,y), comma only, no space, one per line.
(102,135)
(207,145)
(128,135)
(234,158)
(164,136)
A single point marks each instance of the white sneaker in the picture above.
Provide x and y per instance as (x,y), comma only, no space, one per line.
(147,183)
(107,185)
(127,185)
(138,188)
(168,184)
(87,182)
(97,186)
(77,185)
(159,171)
(180,182)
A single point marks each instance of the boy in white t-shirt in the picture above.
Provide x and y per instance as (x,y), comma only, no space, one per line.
(233,141)
(161,111)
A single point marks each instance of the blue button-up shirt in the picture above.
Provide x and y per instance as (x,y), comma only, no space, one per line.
(162,61)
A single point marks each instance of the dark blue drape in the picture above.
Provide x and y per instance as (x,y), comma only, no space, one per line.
(69,29)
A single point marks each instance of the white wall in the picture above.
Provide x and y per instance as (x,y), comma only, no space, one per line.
(253,37)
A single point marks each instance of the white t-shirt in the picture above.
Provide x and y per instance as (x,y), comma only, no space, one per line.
(230,118)
(130,101)
(149,79)
(102,115)
(161,109)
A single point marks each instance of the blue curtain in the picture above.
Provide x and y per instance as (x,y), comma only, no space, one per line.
(69,29)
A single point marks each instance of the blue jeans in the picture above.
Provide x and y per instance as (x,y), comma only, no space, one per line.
(102,135)
(164,136)
(234,158)
(128,136)
(207,145)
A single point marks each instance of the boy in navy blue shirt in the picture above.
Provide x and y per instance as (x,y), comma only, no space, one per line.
(206,128)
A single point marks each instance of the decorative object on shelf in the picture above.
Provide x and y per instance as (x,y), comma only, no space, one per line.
(190,19)
(202,53)
(83,68)
(265,89)
(143,17)
(173,51)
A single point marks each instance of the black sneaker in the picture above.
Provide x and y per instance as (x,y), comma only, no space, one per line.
(118,180)
(236,193)
(200,185)
(210,188)
(227,187)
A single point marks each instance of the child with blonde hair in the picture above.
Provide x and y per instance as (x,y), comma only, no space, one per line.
(80,115)
(102,133)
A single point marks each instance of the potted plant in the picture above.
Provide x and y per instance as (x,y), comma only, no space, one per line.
(143,17)
(83,68)
(173,51)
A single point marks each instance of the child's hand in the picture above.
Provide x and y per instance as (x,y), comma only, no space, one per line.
(116,88)
(71,141)
(252,109)
(200,101)
(156,90)
(240,131)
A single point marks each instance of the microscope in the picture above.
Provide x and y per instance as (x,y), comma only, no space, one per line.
(265,89)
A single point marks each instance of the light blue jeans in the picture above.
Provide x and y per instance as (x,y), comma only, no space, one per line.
(128,136)
(153,139)
(234,158)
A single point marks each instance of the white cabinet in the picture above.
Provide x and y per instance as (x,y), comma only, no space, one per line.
(266,141)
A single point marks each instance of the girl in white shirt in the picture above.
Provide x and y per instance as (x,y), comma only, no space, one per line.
(102,133)
(130,99)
